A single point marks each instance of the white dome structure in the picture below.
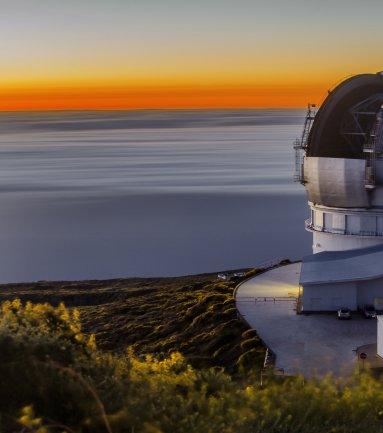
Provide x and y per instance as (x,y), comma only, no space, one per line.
(340,163)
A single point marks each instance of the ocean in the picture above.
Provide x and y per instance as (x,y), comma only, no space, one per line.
(95,195)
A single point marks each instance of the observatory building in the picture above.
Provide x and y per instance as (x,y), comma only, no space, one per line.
(339,160)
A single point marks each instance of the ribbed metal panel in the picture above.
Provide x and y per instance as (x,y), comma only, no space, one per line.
(337,182)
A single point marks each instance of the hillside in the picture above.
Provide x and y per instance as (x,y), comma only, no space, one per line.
(194,315)
(55,379)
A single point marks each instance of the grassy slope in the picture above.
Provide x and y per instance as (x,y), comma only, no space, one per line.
(53,379)
(194,315)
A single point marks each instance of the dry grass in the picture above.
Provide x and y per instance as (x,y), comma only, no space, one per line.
(194,315)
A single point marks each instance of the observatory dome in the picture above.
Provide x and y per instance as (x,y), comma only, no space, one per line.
(342,167)
(335,120)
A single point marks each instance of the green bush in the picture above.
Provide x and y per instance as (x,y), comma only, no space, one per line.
(152,315)
(54,379)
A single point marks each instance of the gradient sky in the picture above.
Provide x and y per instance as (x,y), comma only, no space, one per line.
(58,54)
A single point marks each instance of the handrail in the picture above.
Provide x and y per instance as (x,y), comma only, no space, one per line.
(316,228)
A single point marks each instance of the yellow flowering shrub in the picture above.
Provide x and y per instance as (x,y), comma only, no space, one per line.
(54,379)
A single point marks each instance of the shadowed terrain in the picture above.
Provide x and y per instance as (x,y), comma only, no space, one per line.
(194,315)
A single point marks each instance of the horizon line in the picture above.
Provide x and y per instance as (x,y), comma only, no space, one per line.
(191,108)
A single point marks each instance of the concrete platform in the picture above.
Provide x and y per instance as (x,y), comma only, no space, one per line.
(312,345)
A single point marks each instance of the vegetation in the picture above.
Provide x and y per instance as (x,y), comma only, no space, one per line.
(195,316)
(54,379)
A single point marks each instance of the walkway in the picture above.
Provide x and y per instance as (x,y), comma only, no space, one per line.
(307,344)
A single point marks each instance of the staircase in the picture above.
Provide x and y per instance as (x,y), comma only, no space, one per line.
(371,149)
(300,145)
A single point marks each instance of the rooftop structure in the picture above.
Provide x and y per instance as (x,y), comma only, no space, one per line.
(341,266)
(339,160)
(343,279)
(342,166)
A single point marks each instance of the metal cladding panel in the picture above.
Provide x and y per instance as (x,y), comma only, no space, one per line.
(357,264)
(369,291)
(353,224)
(379,171)
(339,222)
(380,336)
(335,182)
(377,196)
(329,297)
(368,224)
(327,220)
(323,241)
(377,193)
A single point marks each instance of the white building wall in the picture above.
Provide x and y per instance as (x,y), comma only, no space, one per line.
(352,223)
(338,222)
(318,220)
(377,193)
(323,241)
(329,297)
(336,229)
(368,224)
(370,292)
(380,336)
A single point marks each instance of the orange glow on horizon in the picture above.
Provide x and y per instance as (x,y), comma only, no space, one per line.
(140,97)
(175,54)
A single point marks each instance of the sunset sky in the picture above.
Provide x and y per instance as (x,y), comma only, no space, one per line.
(79,54)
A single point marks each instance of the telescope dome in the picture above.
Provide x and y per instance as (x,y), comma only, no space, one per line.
(342,166)
(335,130)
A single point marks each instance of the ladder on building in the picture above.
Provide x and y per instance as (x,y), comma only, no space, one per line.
(300,145)
(370,149)
(310,116)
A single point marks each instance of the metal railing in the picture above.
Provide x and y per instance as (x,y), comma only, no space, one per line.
(336,231)
(275,299)
(300,145)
